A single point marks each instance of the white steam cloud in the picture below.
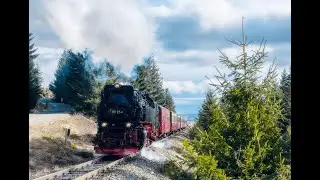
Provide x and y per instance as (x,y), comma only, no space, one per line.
(153,152)
(120,31)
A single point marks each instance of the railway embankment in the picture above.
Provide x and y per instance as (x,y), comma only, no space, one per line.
(49,151)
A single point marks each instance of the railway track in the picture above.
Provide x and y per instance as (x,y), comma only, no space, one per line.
(91,170)
(87,169)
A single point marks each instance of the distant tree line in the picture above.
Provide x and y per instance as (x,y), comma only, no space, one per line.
(78,81)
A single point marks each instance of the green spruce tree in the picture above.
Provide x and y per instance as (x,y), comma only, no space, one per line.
(35,78)
(149,80)
(169,103)
(285,121)
(74,81)
(139,81)
(79,82)
(105,73)
(204,119)
(114,75)
(285,86)
(59,87)
(244,140)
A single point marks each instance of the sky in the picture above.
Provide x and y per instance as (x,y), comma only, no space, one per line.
(183,35)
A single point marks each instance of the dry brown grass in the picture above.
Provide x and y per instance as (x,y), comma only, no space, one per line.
(78,124)
(48,151)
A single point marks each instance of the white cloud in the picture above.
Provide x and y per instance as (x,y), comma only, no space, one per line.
(48,60)
(188,100)
(222,13)
(160,11)
(193,87)
(189,77)
(120,31)
(177,87)
(188,68)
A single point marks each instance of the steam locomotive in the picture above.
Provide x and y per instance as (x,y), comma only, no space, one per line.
(129,120)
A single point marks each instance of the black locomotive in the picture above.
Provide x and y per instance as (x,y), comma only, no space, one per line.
(124,115)
(129,119)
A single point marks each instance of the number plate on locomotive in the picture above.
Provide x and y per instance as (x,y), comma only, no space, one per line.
(116,111)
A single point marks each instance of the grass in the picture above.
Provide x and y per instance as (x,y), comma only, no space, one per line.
(78,124)
(48,150)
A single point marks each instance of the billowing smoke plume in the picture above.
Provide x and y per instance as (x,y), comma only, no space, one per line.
(120,31)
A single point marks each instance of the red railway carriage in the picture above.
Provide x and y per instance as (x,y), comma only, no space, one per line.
(184,123)
(179,122)
(174,121)
(164,117)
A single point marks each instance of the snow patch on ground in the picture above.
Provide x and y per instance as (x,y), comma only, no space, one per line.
(153,151)
(164,144)
(151,154)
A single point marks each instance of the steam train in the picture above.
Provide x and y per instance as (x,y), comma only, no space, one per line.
(129,120)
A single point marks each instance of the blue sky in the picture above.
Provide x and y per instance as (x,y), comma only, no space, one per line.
(184,36)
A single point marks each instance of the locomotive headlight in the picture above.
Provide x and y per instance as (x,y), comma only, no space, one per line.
(145,132)
(128,124)
(117,85)
(104,124)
